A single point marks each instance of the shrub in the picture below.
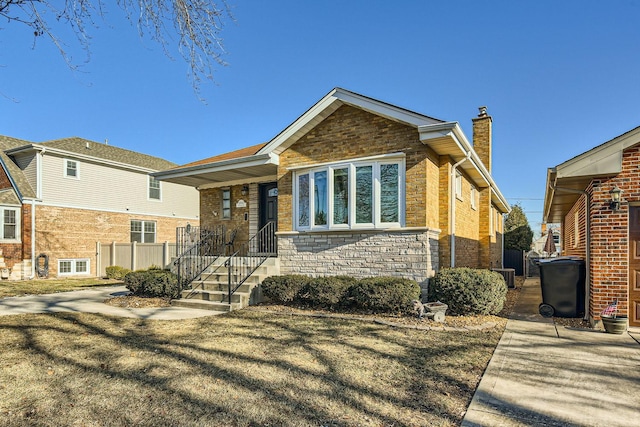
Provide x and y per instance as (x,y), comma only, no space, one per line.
(283,289)
(385,294)
(324,292)
(468,291)
(116,272)
(153,283)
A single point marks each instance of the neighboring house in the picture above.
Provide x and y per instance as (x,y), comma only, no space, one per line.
(60,198)
(361,188)
(607,235)
(540,243)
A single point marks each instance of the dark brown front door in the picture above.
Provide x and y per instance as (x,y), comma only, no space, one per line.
(634,266)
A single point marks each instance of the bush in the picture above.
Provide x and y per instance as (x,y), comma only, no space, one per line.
(324,292)
(153,283)
(116,272)
(385,294)
(284,289)
(467,291)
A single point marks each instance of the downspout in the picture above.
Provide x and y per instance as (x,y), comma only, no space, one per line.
(452,208)
(33,239)
(587,226)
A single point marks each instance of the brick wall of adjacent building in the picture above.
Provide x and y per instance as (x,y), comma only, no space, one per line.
(65,233)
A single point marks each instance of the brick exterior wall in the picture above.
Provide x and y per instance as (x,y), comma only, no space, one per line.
(609,235)
(15,253)
(65,233)
(211,209)
(408,254)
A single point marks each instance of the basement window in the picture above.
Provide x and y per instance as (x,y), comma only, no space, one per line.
(70,267)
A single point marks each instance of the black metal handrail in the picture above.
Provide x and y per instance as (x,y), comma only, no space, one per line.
(243,262)
(201,247)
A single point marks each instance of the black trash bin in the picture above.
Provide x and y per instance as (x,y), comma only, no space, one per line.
(563,285)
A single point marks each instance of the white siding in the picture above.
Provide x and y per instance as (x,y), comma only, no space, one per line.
(102,187)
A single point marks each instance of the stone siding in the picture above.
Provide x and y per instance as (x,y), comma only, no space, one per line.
(404,253)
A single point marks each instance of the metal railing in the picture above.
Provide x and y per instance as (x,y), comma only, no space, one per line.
(243,262)
(198,248)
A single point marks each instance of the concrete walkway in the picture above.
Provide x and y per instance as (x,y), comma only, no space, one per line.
(543,374)
(92,301)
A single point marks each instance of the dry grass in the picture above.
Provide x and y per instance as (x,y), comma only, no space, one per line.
(242,369)
(49,286)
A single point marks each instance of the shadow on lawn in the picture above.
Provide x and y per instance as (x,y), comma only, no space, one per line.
(244,369)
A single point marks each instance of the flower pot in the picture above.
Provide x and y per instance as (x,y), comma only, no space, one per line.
(615,325)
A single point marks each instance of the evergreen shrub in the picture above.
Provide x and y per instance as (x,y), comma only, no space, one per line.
(153,283)
(469,291)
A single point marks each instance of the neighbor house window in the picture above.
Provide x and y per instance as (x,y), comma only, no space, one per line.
(143,231)
(458,185)
(10,223)
(366,194)
(68,267)
(71,169)
(226,203)
(154,188)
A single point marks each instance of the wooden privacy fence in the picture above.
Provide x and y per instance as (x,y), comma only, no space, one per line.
(134,256)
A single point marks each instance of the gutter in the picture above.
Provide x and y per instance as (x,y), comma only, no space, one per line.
(587,226)
(452,208)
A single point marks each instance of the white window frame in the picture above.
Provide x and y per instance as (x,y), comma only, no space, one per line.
(376,188)
(458,185)
(474,196)
(17,214)
(142,231)
(73,263)
(76,167)
(150,186)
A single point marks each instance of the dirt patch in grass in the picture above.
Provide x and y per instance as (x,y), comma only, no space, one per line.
(131,301)
(244,368)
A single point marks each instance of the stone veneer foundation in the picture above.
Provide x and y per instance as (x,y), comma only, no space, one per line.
(407,253)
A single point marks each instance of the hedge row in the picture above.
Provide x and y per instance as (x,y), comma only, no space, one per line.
(374,295)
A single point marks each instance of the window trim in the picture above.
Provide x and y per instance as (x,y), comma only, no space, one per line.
(142,231)
(66,168)
(474,196)
(458,184)
(18,219)
(225,212)
(351,165)
(151,180)
(74,263)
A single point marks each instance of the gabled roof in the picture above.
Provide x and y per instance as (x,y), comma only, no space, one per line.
(566,181)
(15,174)
(84,148)
(446,138)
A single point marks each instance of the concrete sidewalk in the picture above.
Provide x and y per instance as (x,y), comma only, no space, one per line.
(543,374)
(92,301)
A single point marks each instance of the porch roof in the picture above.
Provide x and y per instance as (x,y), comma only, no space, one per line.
(241,165)
(567,181)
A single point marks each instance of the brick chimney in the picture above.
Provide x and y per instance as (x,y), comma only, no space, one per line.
(482,137)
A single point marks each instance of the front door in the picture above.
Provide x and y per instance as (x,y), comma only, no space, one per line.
(634,266)
(268,213)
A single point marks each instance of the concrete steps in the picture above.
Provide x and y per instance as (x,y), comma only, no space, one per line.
(211,290)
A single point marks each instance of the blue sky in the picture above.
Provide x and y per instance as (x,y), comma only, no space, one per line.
(558,78)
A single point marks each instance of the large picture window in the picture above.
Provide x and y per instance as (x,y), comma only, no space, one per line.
(366,194)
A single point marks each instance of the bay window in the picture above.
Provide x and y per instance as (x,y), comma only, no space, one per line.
(360,194)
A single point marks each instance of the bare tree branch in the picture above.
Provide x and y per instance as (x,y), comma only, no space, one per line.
(196,26)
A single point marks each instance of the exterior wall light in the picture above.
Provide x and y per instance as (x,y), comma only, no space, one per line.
(615,194)
(245,190)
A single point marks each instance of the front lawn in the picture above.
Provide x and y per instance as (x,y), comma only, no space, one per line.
(49,286)
(246,368)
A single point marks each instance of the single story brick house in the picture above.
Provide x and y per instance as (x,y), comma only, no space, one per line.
(605,232)
(360,187)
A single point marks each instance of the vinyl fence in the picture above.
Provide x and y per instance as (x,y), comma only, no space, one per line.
(134,256)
